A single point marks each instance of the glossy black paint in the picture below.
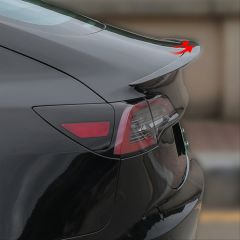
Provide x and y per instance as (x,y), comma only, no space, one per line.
(45,177)
(78,201)
(57,115)
(173,217)
(110,57)
(167,215)
(52,196)
(54,186)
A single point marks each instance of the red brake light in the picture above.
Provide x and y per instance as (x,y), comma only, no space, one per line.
(140,125)
(163,113)
(88,129)
(136,130)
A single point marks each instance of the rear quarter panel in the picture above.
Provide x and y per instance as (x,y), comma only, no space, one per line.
(50,186)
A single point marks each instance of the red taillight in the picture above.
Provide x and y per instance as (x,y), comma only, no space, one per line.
(136,130)
(140,125)
(91,125)
(88,129)
(118,128)
(163,113)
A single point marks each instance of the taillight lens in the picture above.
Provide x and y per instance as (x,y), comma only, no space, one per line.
(91,125)
(141,123)
(163,113)
(136,130)
(128,130)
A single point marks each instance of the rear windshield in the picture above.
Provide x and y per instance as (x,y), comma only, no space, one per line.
(40,13)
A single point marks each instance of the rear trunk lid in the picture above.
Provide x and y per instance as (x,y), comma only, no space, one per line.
(107,61)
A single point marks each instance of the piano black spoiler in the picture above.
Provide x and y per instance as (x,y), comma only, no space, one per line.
(179,62)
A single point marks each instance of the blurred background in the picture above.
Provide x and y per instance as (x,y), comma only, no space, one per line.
(212,119)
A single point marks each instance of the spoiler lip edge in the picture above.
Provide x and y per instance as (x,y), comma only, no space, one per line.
(179,62)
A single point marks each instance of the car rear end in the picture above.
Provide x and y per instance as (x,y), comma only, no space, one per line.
(93,146)
(159,185)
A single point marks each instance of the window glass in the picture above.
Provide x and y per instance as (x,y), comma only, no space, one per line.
(40,13)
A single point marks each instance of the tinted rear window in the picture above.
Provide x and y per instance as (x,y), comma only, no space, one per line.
(39,13)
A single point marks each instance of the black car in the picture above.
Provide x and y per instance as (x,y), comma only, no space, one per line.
(91,144)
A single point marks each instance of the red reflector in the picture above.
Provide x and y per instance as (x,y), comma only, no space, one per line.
(88,129)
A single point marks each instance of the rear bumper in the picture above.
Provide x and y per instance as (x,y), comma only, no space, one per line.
(185,230)
(177,218)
